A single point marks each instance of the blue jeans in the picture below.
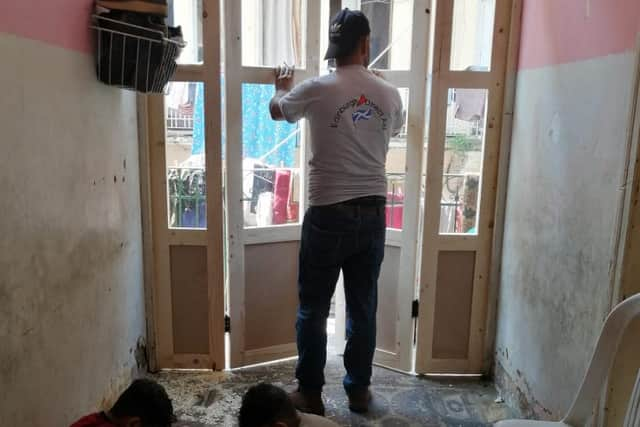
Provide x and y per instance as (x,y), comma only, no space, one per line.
(348,236)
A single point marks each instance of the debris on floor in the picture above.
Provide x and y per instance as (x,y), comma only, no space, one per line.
(213,399)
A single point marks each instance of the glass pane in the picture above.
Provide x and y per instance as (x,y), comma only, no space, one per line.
(462,168)
(187,14)
(397,172)
(472,35)
(185,142)
(273,32)
(271,156)
(391,22)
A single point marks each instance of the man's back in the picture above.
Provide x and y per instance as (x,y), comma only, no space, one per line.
(352,115)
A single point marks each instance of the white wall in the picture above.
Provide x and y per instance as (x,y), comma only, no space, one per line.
(71,292)
(568,152)
(567,159)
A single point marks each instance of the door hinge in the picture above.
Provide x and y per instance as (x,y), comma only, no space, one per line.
(415,309)
(227,323)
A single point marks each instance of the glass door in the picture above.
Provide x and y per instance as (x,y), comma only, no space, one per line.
(471,40)
(265,173)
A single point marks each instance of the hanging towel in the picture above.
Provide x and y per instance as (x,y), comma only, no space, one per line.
(471,104)
(281,198)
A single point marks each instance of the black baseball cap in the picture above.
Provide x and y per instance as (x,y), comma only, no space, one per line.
(346,29)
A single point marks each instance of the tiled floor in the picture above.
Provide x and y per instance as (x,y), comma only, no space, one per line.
(213,399)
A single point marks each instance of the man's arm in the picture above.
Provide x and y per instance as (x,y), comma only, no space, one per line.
(284,84)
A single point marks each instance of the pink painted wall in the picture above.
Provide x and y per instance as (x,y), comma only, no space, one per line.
(562,31)
(63,23)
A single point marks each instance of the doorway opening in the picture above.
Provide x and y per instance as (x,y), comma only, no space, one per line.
(229,184)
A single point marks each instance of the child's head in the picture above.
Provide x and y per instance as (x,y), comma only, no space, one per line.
(144,403)
(267,405)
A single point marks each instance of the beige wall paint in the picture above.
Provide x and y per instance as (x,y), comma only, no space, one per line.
(72,322)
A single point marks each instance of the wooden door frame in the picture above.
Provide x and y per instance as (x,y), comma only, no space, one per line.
(513,52)
(433,242)
(238,235)
(157,237)
(407,240)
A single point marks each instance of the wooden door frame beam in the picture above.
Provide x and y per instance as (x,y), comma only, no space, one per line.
(504,59)
(506,134)
(153,208)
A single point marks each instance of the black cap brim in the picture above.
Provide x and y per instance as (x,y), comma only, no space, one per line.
(338,50)
(333,51)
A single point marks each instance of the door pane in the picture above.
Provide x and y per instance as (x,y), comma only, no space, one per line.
(463,154)
(391,23)
(472,35)
(273,32)
(185,148)
(187,14)
(271,162)
(397,171)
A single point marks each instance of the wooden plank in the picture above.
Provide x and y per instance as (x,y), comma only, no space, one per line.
(177,236)
(191,73)
(147,229)
(281,233)
(489,184)
(388,306)
(271,294)
(407,271)
(269,354)
(162,237)
(511,71)
(162,283)
(189,291)
(235,226)
(213,157)
(193,361)
(453,305)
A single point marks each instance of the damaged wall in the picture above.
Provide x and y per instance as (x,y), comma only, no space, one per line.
(571,118)
(71,294)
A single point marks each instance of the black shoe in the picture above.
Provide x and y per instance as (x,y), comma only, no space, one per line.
(359,400)
(308,401)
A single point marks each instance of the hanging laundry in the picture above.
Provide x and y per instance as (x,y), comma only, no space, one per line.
(264,210)
(281,189)
(471,104)
(178,95)
(262,182)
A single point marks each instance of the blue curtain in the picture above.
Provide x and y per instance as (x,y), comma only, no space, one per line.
(198,120)
(260,134)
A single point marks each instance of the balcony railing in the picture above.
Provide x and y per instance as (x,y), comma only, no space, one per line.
(177,120)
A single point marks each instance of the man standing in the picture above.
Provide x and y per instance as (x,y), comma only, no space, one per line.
(352,115)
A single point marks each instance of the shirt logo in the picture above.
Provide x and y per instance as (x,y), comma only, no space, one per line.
(362,112)
(363,109)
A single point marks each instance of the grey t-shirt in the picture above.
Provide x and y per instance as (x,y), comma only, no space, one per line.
(352,115)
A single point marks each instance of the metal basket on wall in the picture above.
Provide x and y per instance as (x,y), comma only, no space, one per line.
(134,57)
